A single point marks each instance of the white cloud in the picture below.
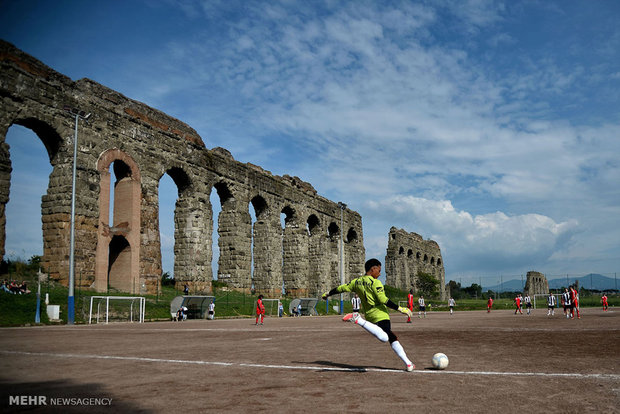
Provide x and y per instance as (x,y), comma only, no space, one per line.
(478,241)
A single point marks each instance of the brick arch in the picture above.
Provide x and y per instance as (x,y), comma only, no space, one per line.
(117,257)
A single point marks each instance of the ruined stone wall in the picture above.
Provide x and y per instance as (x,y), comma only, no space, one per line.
(536,284)
(408,254)
(142,144)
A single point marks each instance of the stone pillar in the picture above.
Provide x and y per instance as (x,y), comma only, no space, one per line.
(192,250)
(235,240)
(5,184)
(267,278)
(150,252)
(295,260)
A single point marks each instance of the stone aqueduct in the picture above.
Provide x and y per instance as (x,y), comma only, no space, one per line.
(407,255)
(142,144)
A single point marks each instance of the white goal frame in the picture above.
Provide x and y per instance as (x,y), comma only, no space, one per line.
(269,310)
(141,304)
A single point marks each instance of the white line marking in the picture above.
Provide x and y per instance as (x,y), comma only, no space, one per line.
(318,368)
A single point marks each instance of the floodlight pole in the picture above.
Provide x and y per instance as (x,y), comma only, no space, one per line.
(71,300)
(341,262)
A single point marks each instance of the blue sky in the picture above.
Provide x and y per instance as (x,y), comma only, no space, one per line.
(492,127)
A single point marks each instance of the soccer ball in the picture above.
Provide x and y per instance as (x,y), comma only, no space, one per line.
(440,361)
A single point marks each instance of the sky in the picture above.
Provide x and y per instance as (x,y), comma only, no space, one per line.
(491,127)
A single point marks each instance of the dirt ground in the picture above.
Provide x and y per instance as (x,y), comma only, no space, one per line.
(499,362)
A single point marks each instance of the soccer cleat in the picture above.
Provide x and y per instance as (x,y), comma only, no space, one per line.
(410,367)
(352,317)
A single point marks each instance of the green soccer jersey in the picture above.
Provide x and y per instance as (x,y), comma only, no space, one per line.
(372,294)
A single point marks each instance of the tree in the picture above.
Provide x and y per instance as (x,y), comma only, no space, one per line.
(427,284)
(166,279)
(454,290)
(475,290)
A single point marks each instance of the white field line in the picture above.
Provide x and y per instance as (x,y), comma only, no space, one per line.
(317,368)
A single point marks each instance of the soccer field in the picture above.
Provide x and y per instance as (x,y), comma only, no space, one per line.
(499,362)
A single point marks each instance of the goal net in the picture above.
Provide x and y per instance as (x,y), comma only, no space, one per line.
(116,309)
(271,306)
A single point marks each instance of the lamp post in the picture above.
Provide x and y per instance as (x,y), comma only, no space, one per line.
(341,261)
(70,300)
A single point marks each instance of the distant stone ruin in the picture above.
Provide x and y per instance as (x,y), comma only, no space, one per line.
(536,284)
(408,254)
(141,144)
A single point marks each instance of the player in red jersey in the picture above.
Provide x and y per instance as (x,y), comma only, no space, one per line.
(574,297)
(410,304)
(518,304)
(604,302)
(260,309)
(489,304)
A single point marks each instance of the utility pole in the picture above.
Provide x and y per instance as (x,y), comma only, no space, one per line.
(71,300)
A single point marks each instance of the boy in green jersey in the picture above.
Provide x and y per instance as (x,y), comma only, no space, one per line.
(375,305)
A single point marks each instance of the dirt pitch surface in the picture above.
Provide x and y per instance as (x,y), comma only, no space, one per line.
(499,362)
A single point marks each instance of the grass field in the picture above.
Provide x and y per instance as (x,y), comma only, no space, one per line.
(20,310)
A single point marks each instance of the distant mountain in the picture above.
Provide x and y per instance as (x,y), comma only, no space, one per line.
(593,281)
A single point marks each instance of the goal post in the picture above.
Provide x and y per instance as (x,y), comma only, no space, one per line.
(118,308)
(272,306)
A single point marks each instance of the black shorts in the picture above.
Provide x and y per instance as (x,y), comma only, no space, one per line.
(529,305)
(386,326)
(550,307)
(422,308)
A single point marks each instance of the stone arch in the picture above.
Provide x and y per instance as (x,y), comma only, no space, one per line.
(313,225)
(409,253)
(351,236)
(46,133)
(124,273)
(52,141)
(333,231)
(401,250)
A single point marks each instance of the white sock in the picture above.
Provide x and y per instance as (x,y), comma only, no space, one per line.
(398,348)
(373,329)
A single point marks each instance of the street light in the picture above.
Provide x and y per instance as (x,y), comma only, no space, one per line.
(70,300)
(342,207)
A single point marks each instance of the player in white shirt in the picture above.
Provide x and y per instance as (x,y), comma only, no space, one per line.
(550,305)
(528,303)
(422,307)
(212,310)
(451,304)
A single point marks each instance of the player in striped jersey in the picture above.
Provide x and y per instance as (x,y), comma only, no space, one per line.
(375,305)
(550,305)
(566,302)
(528,303)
